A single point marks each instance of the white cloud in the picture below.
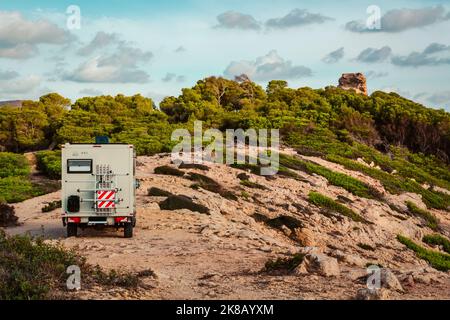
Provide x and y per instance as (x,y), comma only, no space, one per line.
(8,75)
(334,56)
(268,67)
(119,67)
(372,55)
(441,98)
(425,58)
(237,20)
(19,37)
(91,92)
(297,18)
(19,86)
(101,40)
(403,19)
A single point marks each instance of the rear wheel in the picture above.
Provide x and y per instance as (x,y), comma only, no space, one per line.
(72,229)
(128,230)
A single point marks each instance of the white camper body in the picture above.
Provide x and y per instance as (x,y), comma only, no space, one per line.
(98,186)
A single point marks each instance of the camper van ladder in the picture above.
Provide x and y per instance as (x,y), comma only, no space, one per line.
(105,190)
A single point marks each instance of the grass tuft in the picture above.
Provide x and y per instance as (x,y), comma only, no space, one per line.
(438,260)
(437,240)
(431,220)
(322,201)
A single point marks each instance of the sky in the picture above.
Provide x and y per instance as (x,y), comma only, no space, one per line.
(82,48)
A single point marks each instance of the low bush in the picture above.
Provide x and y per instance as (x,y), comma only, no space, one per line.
(175,202)
(252,185)
(13,165)
(8,216)
(325,202)
(156,192)
(204,182)
(17,189)
(365,246)
(431,220)
(284,264)
(395,184)
(31,269)
(352,185)
(197,166)
(49,163)
(52,206)
(169,171)
(438,260)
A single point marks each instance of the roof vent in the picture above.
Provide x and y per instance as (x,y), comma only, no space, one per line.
(101,140)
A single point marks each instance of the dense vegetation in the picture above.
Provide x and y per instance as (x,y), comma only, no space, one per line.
(408,144)
(49,163)
(15,185)
(32,269)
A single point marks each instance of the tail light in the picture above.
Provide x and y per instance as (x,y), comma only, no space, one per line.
(74,220)
(120,219)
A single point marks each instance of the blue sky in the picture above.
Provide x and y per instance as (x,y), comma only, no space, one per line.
(158,47)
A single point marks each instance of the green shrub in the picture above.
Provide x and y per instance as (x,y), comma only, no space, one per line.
(431,220)
(49,162)
(325,202)
(211,185)
(350,184)
(31,269)
(175,202)
(52,206)
(284,264)
(396,184)
(437,240)
(253,185)
(8,216)
(365,246)
(157,192)
(438,260)
(17,189)
(197,166)
(170,171)
(13,165)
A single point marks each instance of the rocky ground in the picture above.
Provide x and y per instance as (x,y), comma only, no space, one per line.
(220,255)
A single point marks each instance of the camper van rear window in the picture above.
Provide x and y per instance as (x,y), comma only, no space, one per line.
(79,166)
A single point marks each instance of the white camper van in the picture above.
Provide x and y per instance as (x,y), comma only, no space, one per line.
(98,186)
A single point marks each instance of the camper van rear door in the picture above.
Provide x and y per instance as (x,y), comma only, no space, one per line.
(79,166)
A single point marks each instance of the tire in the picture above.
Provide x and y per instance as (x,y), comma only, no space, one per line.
(134,221)
(72,229)
(128,230)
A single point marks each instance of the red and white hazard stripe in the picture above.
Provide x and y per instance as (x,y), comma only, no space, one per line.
(104,197)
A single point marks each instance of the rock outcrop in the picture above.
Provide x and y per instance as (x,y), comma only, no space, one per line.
(355,81)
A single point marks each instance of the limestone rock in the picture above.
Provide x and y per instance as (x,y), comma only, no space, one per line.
(355,81)
(372,294)
(390,281)
(305,236)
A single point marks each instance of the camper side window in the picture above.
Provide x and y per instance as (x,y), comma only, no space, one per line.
(79,166)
